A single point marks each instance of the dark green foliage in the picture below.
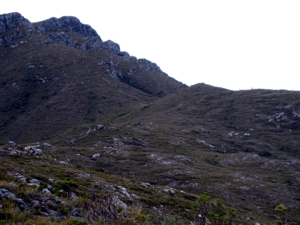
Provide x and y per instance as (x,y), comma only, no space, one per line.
(214,211)
(64,187)
(76,222)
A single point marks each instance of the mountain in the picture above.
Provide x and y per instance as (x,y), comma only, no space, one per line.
(82,122)
(59,73)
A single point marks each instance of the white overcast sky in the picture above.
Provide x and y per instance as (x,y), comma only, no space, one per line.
(235,44)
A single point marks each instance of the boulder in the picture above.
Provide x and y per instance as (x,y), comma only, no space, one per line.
(46,191)
(96,156)
(12,143)
(35,182)
(23,206)
(47,145)
(34,204)
(5,193)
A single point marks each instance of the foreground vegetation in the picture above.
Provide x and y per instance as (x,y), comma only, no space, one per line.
(49,192)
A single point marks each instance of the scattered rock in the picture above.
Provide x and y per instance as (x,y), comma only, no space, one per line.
(47,145)
(51,180)
(35,182)
(169,190)
(57,201)
(32,150)
(73,196)
(100,127)
(46,191)
(146,185)
(124,192)
(96,156)
(183,158)
(84,175)
(35,204)
(11,143)
(206,144)
(119,203)
(63,162)
(23,206)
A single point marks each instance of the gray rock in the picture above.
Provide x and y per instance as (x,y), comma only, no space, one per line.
(35,204)
(1,194)
(12,143)
(75,213)
(100,127)
(47,145)
(124,192)
(67,23)
(183,158)
(52,213)
(49,187)
(35,181)
(51,180)
(120,203)
(61,37)
(5,193)
(169,190)
(38,152)
(73,196)
(123,54)
(111,47)
(57,201)
(33,150)
(21,177)
(23,206)
(96,156)
(46,191)
(148,65)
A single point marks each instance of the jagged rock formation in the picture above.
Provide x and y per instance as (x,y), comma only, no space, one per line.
(9,21)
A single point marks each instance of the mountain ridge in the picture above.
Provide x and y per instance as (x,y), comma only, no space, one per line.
(62,52)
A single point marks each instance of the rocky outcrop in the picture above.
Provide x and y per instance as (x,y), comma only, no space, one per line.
(68,23)
(11,20)
(111,47)
(61,37)
(148,65)
(14,149)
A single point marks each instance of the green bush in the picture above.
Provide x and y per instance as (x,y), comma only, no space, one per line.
(65,186)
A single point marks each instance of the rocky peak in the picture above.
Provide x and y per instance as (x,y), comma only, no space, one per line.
(11,20)
(69,23)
